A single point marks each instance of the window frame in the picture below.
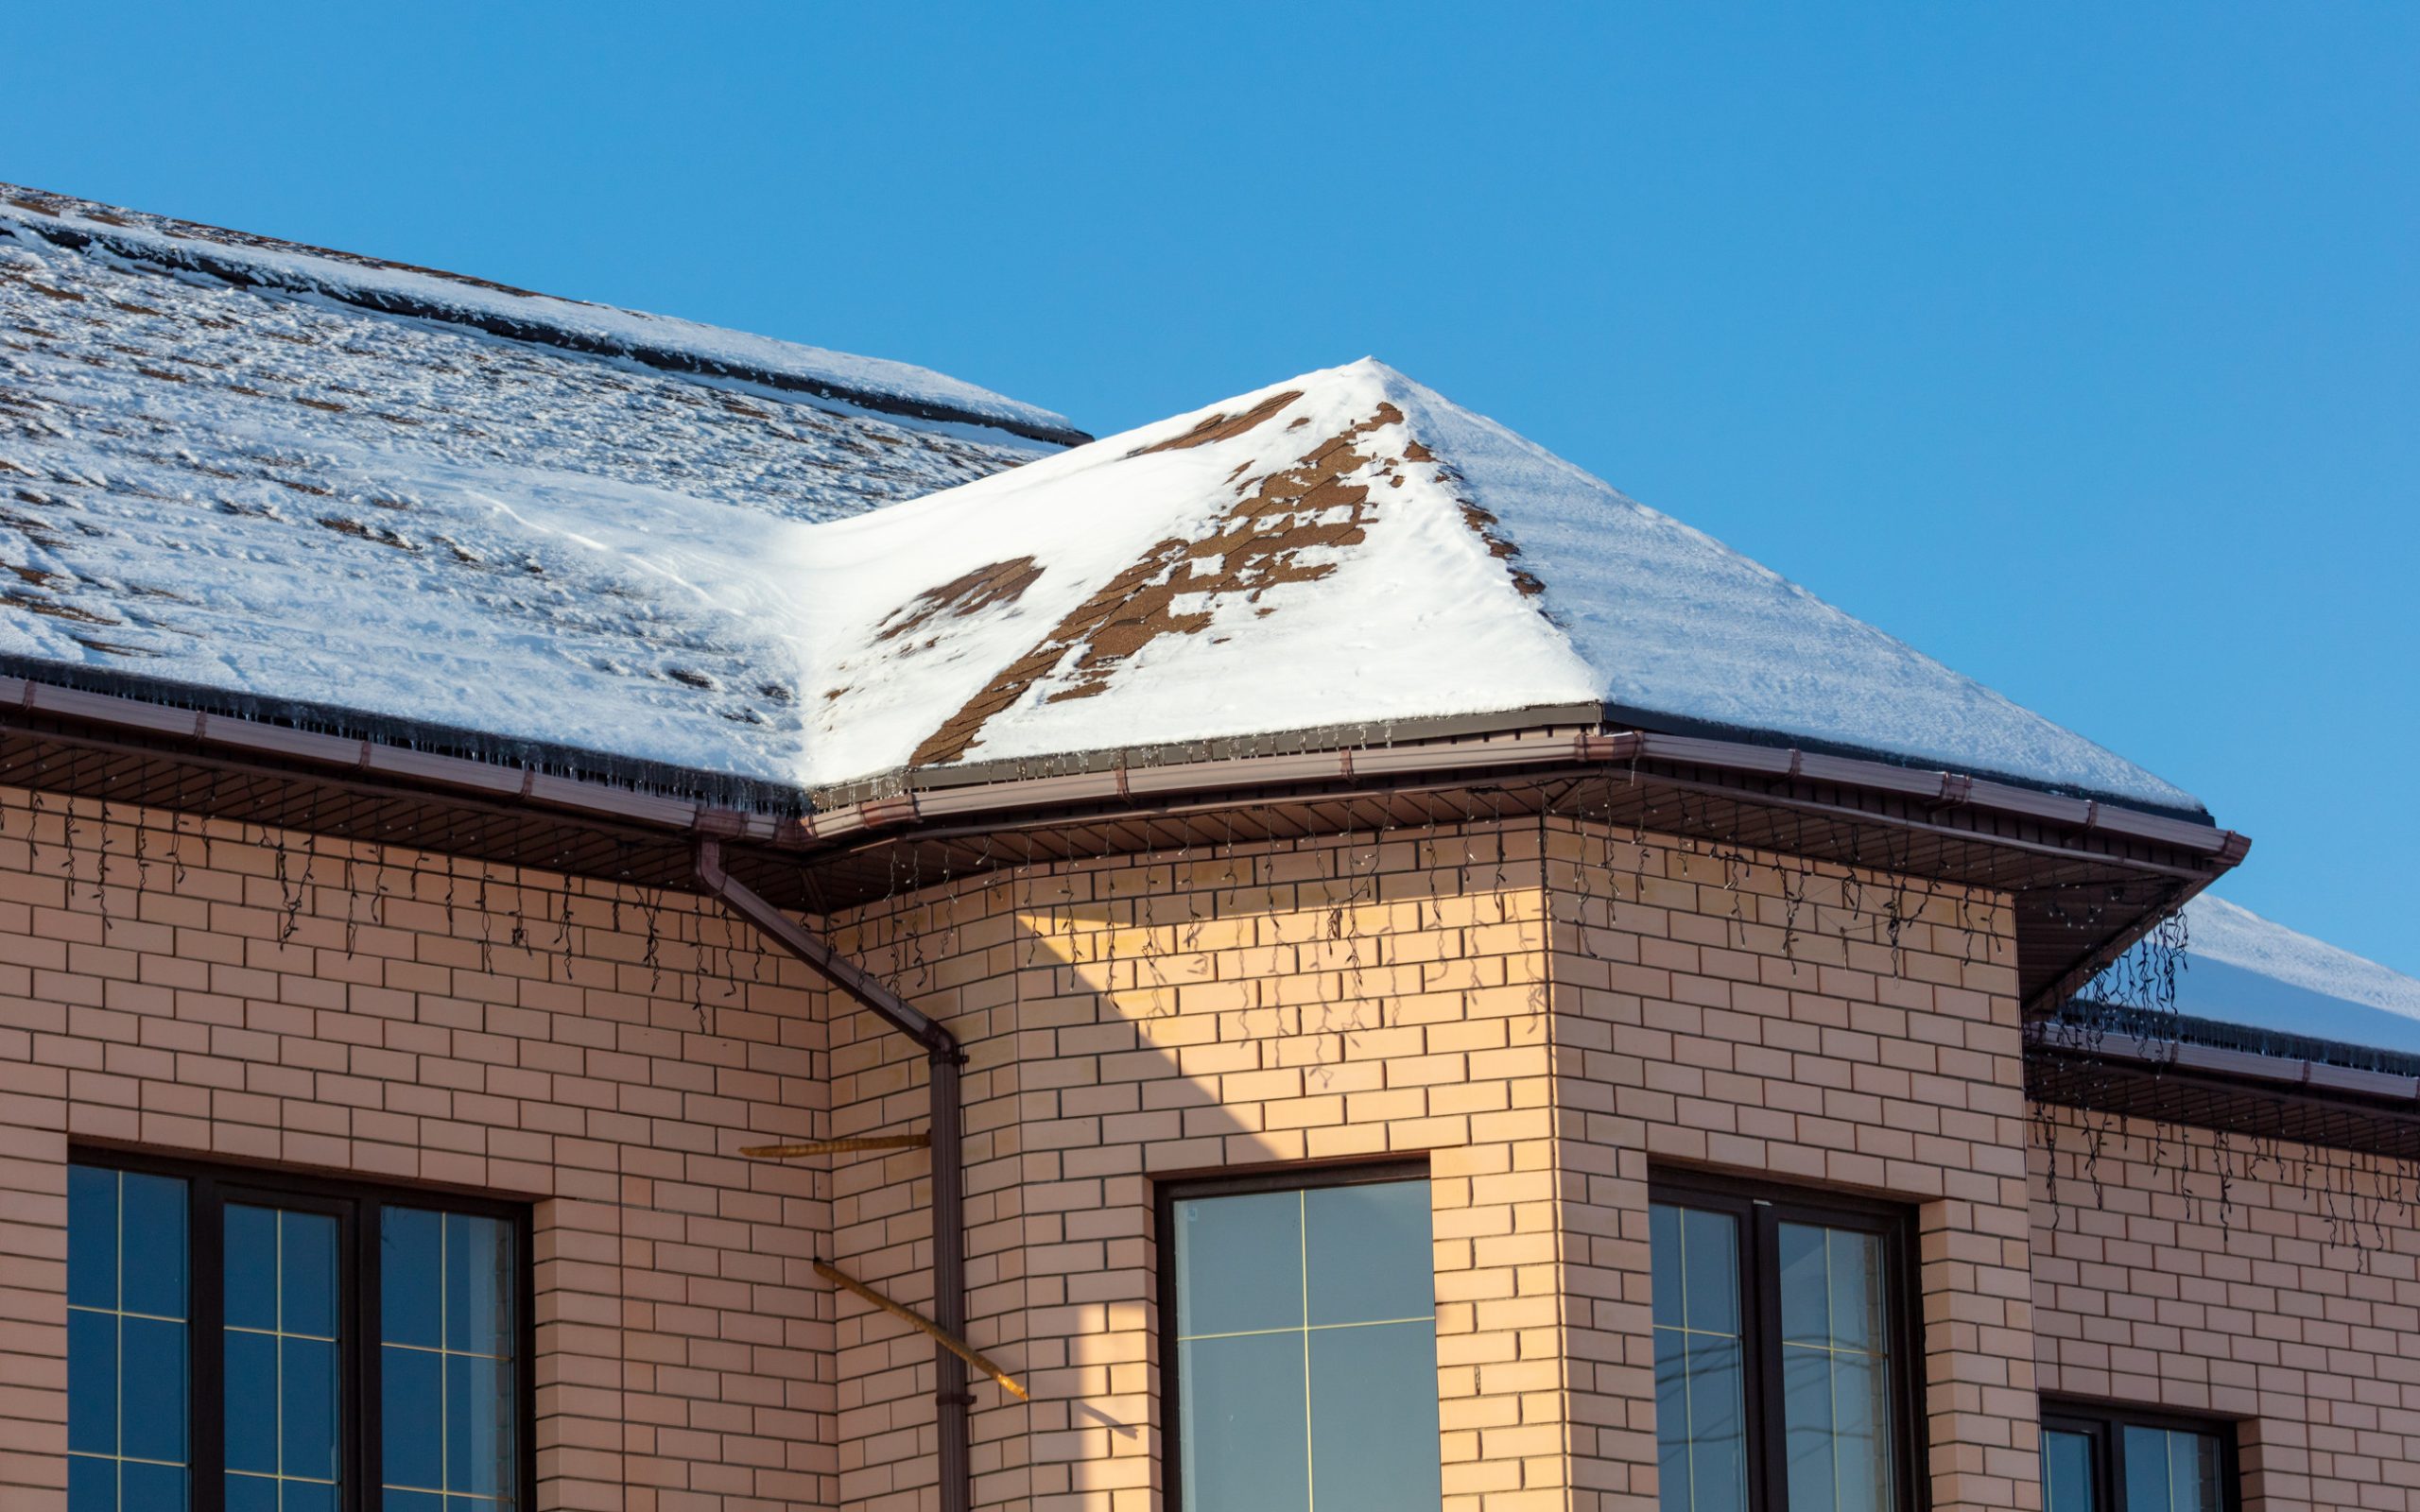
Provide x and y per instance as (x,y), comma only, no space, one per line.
(210,1187)
(2100,1422)
(1166,1193)
(1761,1208)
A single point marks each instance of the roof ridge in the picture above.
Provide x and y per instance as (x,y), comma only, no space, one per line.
(667,343)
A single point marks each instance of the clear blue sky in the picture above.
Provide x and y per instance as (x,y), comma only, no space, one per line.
(2080,350)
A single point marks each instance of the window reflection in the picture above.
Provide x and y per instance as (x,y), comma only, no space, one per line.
(283,1445)
(1700,1424)
(1836,1369)
(1306,1355)
(2169,1471)
(2068,1483)
(127,1323)
(448,1391)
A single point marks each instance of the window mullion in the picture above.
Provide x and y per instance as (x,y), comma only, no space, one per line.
(206,1420)
(1761,1274)
(368,1414)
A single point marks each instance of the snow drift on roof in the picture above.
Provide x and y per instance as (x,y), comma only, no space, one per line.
(2242,968)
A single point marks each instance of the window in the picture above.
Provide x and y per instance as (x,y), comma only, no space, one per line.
(1783,1335)
(1300,1333)
(245,1342)
(2100,1459)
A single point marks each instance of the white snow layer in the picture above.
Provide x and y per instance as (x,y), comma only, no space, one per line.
(347,277)
(2216,930)
(1423,615)
(283,495)
(2242,968)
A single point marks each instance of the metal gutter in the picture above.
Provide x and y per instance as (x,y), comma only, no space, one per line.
(2238,1065)
(951,1398)
(1510,755)
(1515,755)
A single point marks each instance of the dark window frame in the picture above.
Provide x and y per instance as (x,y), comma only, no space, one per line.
(1165,1195)
(2099,1421)
(210,1186)
(1761,1208)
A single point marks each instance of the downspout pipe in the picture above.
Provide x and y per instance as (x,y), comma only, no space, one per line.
(951,1398)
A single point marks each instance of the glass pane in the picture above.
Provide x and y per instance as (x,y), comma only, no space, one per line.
(1371,1256)
(308,1274)
(2066,1472)
(1701,1422)
(1710,1271)
(414,1501)
(92,1382)
(1700,1426)
(91,1485)
(1373,1416)
(285,1406)
(152,1245)
(153,1391)
(1239,1263)
(1836,1369)
(478,1428)
(409,1253)
(126,1372)
(309,1394)
(411,1393)
(1245,1423)
(450,1389)
(479,1285)
(92,1240)
(250,1493)
(154,1488)
(251,1239)
(251,1381)
(2171,1471)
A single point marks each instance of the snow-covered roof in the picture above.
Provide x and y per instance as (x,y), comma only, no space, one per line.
(2243,970)
(261,478)
(285,495)
(1348,548)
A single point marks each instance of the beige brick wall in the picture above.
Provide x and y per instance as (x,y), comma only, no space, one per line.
(1544,1011)
(2275,1284)
(1421,991)
(1715,1010)
(176,985)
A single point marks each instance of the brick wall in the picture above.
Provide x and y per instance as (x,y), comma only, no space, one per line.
(1541,1010)
(203,988)
(2275,1284)
(1544,1011)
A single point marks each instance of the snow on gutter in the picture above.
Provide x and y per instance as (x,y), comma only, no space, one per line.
(2082,1039)
(1024,796)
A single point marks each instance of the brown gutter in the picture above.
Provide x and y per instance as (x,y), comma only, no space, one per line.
(2119,1044)
(951,1398)
(1383,765)
(1514,754)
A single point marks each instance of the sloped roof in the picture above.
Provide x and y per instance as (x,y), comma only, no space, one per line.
(2241,969)
(1348,548)
(290,496)
(284,471)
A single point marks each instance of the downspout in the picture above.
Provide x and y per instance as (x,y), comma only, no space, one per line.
(951,1398)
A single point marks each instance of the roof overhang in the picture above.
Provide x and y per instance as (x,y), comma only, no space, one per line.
(2168,1073)
(2088,877)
